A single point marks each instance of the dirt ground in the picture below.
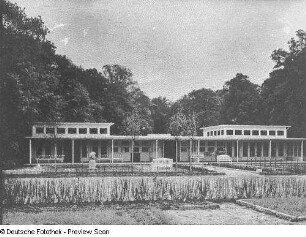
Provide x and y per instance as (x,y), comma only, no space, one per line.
(228,214)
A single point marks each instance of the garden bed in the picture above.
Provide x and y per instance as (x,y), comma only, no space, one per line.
(293,208)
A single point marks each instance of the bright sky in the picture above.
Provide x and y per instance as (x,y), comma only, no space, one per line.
(172,46)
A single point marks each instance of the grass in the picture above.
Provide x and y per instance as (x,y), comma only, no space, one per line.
(132,214)
(295,206)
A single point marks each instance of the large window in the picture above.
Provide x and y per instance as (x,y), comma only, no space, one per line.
(39,130)
(229,132)
(255,132)
(50,130)
(60,130)
(72,130)
(247,132)
(82,130)
(263,132)
(125,146)
(103,130)
(272,133)
(238,132)
(93,131)
(280,133)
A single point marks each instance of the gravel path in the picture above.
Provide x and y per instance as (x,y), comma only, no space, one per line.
(228,214)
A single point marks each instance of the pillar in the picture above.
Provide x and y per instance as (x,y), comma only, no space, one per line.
(176,153)
(237,150)
(248,150)
(156,149)
(233,149)
(72,151)
(270,149)
(132,151)
(198,150)
(30,150)
(163,149)
(302,151)
(112,150)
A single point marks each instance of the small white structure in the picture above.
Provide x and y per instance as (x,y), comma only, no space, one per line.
(162,164)
(224,159)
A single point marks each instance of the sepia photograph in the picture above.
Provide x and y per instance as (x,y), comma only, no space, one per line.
(151,112)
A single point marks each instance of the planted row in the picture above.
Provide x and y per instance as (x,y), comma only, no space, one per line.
(121,189)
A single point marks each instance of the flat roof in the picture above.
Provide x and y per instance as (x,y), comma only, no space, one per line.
(245,126)
(70,123)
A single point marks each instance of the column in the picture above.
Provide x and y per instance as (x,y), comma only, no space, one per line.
(248,150)
(276,151)
(237,150)
(55,151)
(132,151)
(176,153)
(198,150)
(156,149)
(180,143)
(30,151)
(112,150)
(270,149)
(163,149)
(302,151)
(72,151)
(233,149)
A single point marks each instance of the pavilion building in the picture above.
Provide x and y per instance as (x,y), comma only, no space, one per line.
(72,143)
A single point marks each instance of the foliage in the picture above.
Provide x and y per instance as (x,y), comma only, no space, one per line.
(284,92)
(101,190)
(182,125)
(202,103)
(135,125)
(241,101)
(161,113)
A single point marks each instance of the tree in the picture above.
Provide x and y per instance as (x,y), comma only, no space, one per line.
(284,92)
(161,112)
(135,125)
(241,101)
(204,103)
(182,125)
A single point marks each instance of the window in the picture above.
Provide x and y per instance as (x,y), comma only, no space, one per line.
(72,130)
(255,132)
(39,130)
(50,130)
(263,132)
(82,130)
(219,133)
(125,146)
(215,133)
(60,130)
(210,143)
(202,148)
(222,132)
(211,133)
(238,132)
(247,132)
(280,133)
(93,131)
(272,133)
(116,149)
(229,132)
(145,146)
(208,134)
(103,130)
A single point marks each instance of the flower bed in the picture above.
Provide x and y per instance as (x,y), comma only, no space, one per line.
(122,189)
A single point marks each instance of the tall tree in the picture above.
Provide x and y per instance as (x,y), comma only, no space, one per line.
(284,92)
(241,101)
(161,112)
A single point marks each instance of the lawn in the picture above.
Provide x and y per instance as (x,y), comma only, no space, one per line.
(295,206)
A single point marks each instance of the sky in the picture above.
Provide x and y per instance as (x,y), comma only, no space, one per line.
(172,46)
